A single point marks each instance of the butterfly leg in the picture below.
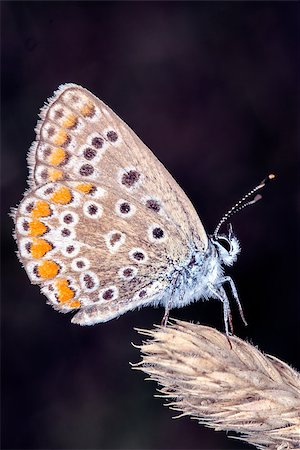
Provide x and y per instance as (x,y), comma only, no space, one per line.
(168,306)
(165,318)
(226,312)
(236,296)
(221,295)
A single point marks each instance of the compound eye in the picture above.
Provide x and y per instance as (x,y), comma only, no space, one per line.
(225,244)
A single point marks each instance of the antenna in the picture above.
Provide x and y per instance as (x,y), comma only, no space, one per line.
(241,204)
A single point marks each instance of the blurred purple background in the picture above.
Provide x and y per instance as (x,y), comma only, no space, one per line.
(211,88)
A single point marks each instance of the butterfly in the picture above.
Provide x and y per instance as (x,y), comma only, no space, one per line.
(104,228)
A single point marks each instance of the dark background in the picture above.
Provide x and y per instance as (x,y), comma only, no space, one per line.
(211,88)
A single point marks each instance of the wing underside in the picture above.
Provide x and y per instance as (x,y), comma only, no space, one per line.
(104,223)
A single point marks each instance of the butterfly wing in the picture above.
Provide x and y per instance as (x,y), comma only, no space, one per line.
(129,223)
(81,138)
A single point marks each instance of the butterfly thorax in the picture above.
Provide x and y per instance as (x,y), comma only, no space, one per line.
(202,274)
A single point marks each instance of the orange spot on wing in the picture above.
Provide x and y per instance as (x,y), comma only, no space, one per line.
(62,196)
(64,292)
(55,175)
(60,138)
(88,109)
(48,269)
(41,209)
(37,228)
(39,248)
(85,187)
(75,304)
(57,156)
(70,121)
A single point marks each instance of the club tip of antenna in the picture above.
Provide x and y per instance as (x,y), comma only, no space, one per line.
(243,203)
(256,198)
(266,180)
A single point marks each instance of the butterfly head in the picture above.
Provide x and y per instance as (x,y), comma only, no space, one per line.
(227,247)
